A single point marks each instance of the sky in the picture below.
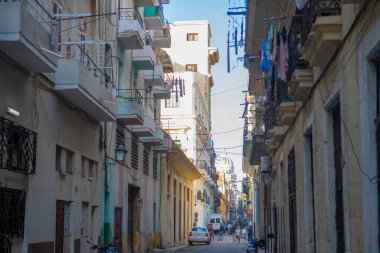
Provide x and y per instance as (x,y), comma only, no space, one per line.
(227,95)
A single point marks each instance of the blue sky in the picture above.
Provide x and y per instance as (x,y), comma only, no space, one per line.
(227,91)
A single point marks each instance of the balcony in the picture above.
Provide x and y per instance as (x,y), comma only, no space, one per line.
(286,113)
(166,145)
(279,133)
(202,167)
(147,129)
(325,34)
(162,38)
(166,61)
(301,84)
(162,92)
(270,146)
(154,77)
(144,3)
(154,17)
(144,59)
(129,107)
(157,139)
(258,149)
(130,31)
(83,84)
(27,36)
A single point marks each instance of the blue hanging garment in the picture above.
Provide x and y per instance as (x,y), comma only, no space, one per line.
(265,62)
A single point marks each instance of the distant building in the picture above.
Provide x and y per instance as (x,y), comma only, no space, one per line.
(187,114)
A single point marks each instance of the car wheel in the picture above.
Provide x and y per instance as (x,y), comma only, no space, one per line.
(190,243)
(208,243)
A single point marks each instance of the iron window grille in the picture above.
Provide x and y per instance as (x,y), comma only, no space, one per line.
(17,147)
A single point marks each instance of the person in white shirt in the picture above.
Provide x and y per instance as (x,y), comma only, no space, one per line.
(237,234)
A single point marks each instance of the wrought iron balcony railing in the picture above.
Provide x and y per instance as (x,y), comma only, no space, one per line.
(301,26)
(130,14)
(130,94)
(149,41)
(18,147)
(78,53)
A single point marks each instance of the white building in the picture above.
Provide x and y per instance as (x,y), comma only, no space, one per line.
(187,115)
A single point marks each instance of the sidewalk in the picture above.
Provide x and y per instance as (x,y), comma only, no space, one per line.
(174,249)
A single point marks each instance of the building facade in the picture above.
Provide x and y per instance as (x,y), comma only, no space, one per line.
(314,153)
(187,115)
(177,205)
(81,139)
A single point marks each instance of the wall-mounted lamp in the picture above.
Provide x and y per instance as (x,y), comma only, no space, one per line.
(121,153)
(149,90)
(12,112)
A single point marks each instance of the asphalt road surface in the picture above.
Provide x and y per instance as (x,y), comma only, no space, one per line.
(225,246)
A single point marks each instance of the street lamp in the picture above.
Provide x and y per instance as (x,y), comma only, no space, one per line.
(121,153)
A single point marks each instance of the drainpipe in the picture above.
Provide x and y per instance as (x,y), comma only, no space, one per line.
(105,218)
(377,122)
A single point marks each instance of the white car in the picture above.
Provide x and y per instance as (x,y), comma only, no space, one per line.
(199,234)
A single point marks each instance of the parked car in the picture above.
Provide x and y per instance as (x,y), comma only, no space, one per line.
(199,234)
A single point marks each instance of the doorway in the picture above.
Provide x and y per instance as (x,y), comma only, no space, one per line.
(133,219)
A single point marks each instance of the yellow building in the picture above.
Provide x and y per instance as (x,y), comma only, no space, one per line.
(177,202)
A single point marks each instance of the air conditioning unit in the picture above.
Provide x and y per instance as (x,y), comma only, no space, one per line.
(265,162)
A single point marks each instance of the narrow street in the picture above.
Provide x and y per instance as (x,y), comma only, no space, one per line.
(225,246)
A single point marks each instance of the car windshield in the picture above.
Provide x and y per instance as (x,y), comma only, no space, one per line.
(212,221)
(199,229)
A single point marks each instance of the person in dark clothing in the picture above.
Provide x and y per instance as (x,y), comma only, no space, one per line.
(233,229)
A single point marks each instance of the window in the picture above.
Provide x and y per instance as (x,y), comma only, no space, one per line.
(66,218)
(69,161)
(64,160)
(82,167)
(58,154)
(146,162)
(135,155)
(155,167)
(173,102)
(192,67)
(91,166)
(292,200)
(192,37)
(84,219)
(339,202)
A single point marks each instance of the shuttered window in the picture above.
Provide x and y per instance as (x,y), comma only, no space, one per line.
(146,163)
(155,166)
(135,155)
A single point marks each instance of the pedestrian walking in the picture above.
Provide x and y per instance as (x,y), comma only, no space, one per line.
(221,231)
(211,231)
(237,234)
(233,229)
(250,233)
